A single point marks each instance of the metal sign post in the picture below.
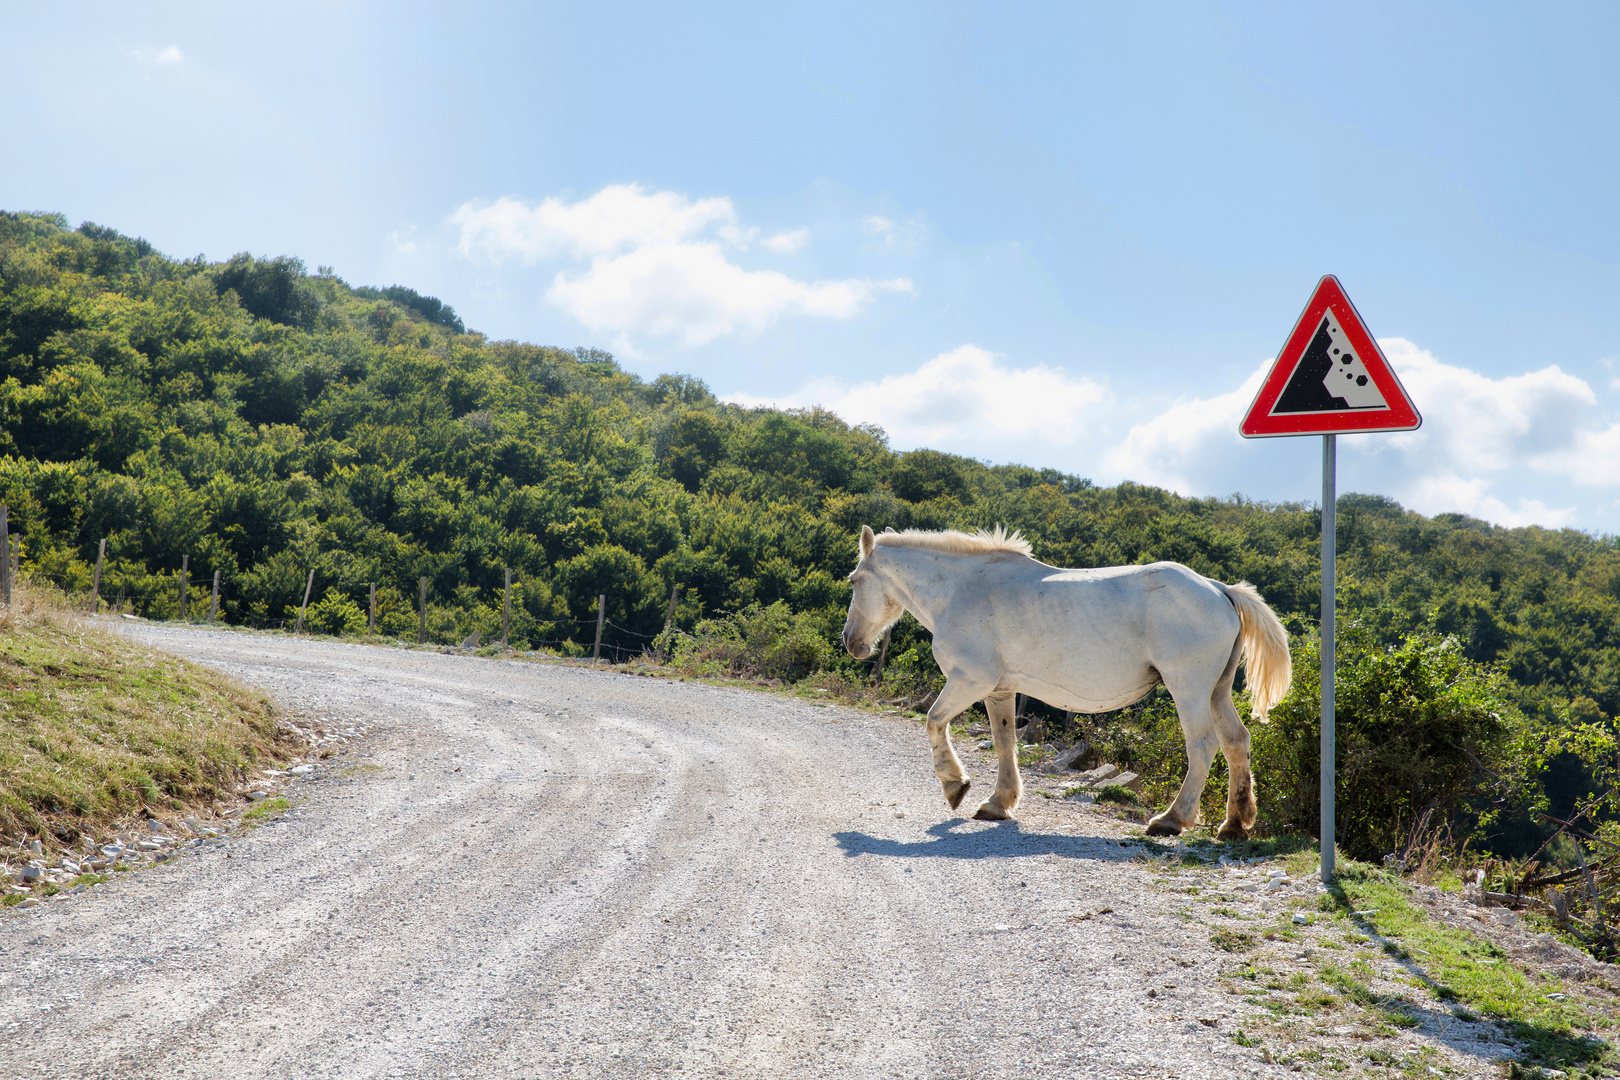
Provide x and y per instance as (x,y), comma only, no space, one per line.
(1330,379)
(1330,502)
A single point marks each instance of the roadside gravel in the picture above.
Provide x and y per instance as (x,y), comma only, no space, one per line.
(535,870)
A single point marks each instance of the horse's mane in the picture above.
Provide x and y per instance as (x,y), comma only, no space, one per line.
(979,542)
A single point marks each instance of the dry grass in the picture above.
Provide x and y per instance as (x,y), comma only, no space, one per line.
(95,729)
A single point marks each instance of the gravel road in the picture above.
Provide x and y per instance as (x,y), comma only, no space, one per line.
(534,870)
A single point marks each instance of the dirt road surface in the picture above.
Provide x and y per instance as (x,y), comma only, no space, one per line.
(531,870)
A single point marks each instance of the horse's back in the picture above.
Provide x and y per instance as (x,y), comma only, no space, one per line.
(1097,639)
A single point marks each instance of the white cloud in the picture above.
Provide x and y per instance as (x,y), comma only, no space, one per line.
(1450,493)
(171,55)
(960,399)
(1477,431)
(404,240)
(691,292)
(654,263)
(879,226)
(787,243)
(1473,423)
(1165,450)
(1592,458)
(616,218)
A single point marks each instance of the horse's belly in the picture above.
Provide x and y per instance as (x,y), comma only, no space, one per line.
(1091,694)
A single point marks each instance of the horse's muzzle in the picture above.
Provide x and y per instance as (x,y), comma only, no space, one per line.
(859,651)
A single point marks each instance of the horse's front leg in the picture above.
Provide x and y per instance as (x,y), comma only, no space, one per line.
(958,693)
(1004,731)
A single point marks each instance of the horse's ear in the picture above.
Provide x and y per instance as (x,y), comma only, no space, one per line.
(889,529)
(868,541)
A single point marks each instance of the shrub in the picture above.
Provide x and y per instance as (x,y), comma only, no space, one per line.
(759,641)
(335,614)
(1118,793)
(1425,737)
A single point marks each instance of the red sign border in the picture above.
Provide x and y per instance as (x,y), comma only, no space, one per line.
(1402,415)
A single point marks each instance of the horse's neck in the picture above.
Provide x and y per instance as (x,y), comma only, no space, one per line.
(925,580)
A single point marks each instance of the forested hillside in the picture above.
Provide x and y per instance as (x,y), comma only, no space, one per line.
(264,420)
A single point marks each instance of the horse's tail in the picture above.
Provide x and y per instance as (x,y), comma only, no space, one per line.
(1265,647)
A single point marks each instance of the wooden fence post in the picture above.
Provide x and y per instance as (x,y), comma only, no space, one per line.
(5,555)
(669,619)
(421,626)
(308,585)
(371,623)
(213,604)
(95,586)
(601,613)
(506,609)
(185,583)
(883,654)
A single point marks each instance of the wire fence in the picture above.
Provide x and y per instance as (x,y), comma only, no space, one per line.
(159,597)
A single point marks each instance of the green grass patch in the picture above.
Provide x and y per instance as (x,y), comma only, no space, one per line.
(1123,796)
(265,807)
(1229,940)
(94,728)
(1455,966)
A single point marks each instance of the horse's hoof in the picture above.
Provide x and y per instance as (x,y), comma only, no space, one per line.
(1232,830)
(1163,826)
(989,811)
(955,792)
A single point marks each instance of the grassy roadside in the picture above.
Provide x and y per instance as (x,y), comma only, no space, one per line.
(95,729)
(1335,979)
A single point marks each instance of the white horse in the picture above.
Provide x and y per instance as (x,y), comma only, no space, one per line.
(1087,640)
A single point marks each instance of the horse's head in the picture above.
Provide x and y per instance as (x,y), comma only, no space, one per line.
(872,607)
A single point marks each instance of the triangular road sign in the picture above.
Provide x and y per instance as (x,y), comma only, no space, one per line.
(1330,377)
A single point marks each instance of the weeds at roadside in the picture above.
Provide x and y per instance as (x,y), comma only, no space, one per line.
(259,811)
(100,729)
(1452,966)
(1231,941)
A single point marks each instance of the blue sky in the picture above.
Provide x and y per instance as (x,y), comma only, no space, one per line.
(1063,235)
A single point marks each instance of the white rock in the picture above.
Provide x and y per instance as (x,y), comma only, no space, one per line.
(1302,918)
(147,845)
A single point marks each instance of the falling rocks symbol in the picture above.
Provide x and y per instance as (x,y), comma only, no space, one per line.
(1330,377)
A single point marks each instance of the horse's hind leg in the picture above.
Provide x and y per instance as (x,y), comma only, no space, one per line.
(1241,809)
(1198,728)
(957,694)
(1004,731)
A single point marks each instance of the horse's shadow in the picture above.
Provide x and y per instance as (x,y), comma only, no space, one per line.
(1003,840)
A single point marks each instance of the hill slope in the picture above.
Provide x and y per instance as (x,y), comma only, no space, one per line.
(265,421)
